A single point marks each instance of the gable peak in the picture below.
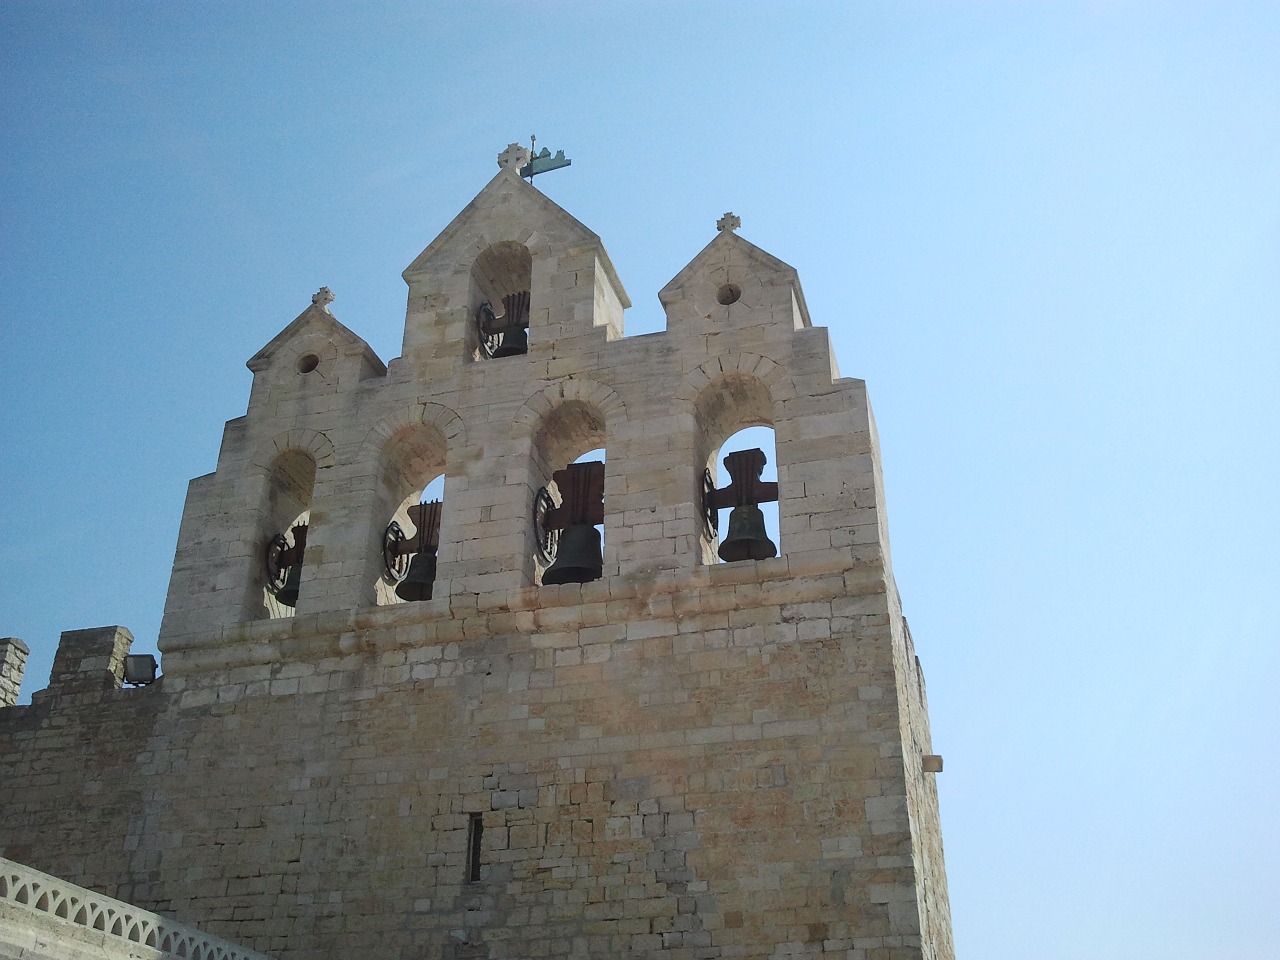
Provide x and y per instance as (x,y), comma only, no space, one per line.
(316,317)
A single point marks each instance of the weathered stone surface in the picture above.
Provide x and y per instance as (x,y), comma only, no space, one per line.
(683,757)
(13,664)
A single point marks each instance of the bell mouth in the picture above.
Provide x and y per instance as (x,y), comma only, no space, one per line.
(515,343)
(746,538)
(420,580)
(288,592)
(579,557)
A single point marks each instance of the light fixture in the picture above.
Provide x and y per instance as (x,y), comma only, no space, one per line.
(140,669)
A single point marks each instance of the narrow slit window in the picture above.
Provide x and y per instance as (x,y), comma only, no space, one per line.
(475,834)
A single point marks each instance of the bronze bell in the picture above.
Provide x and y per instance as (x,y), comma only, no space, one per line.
(288,594)
(287,560)
(515,343)
(579,556)
(746,538)
(515,317)
(420,579)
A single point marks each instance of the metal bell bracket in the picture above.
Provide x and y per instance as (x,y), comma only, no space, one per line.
(548,540)
(745,487)
(492,328)
(581,488)
(281,556)
(397,547)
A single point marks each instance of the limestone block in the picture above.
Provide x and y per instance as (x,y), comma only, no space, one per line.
(13,664)
(309,782)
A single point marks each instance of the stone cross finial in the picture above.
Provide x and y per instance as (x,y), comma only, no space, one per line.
(730,221)
(322,298)
(513,158)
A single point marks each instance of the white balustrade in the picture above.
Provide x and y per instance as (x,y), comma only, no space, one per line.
(40,892)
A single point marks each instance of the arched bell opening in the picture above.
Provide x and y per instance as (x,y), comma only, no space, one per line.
(569,458)
(410,547)
(501,281)
(411,495)
(746,530)
(286,522)
(738,495)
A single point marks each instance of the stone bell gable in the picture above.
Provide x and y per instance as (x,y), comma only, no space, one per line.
(335,441)
(510,238)
(732,284)
(552,714)
(314,339)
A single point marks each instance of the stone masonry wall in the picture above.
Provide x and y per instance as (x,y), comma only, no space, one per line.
(658,769)
(682,758)
(70,787)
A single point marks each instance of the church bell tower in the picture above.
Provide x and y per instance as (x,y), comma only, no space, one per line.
(505,649)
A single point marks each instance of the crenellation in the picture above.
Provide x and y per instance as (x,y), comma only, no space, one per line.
(13,665)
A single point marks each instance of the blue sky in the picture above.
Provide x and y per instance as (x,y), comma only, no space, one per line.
(1046,234)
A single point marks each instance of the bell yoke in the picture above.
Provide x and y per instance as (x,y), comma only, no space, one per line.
(567,532)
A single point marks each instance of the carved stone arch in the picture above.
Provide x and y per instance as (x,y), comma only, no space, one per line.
(500,281)
(402,454)
(310,442)
(528,236)
(769,372)
(436,415)
(557,425)
(314,444)
(725,395)
(287,468)
(590,393)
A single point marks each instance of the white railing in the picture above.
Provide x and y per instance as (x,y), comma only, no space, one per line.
(40,892)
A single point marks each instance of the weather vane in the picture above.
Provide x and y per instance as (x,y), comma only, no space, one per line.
(542,162)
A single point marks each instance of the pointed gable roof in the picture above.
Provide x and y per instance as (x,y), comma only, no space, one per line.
(316,319)
(726,245)
(532,210)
